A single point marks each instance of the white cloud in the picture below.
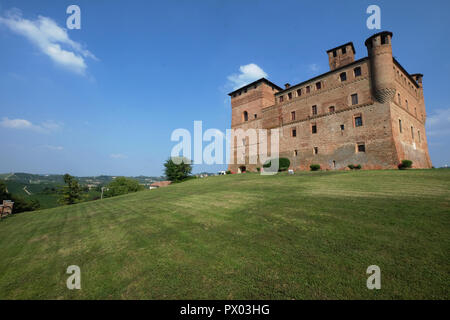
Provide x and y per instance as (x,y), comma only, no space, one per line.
(48,37)
(118,156)
(22,124)
(438,123)
(16,123)
(248,74)
(313,67)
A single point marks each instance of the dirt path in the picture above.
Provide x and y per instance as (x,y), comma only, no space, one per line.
(25,189)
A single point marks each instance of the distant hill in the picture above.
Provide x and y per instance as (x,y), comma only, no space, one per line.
(31,178)
(43,187)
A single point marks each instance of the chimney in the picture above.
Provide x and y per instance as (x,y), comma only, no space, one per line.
(341,56)
(287,85)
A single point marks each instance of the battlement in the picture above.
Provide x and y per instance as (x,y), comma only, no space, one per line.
(341,56)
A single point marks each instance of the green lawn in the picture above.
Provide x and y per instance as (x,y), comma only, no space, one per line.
(307,236)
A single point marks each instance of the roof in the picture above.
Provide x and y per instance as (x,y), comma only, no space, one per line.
(256,82)
(342,46)
(377,34)
(322,75)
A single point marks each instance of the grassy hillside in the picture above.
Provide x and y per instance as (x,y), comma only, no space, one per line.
(307,236)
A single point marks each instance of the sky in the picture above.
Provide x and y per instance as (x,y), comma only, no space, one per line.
(105,99)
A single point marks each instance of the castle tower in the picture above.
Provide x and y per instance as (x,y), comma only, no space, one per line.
(247,104)
(379,49)
(341,56)
(418,77)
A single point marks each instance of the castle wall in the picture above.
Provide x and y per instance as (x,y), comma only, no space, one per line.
(338,148)
(411,97)
(411,141)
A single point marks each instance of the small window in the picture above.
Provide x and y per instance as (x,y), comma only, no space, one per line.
(290,95)
(344,50)
(358,121)
(256,116)
(354,99)
(415,111)
(385,39)
(314,110)
(343,76)
(418,135)
(245,90)
(318,85)
(245,116)
(293,115)
(331,109)
(294,132)
(361,147)
(308,89)
(407,105)
(239,93)
(357,71)
(400,125)
(315,150)
(281,99)
(399,99)
(295,153)
(412,132)
(342,127)
(299,92)
(334,53)
(314,128)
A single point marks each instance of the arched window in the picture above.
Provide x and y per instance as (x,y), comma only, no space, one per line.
(245,116)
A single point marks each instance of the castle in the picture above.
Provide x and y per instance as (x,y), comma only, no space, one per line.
(369,112)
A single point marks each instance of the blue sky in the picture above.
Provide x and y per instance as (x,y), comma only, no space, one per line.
(105,99)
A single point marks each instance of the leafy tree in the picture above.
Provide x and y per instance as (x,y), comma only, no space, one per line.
(177,169)
(71,192)
(122,185)
(3,194)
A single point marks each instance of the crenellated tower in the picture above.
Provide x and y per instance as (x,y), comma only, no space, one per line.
(379,49)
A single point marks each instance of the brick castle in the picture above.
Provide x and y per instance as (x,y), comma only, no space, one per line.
(369,112)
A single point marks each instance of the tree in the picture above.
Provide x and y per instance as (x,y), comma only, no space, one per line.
(177,169)
(71,192)
(122,185)
(20,204)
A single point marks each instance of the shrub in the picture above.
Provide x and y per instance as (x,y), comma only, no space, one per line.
(357,167)
(228,172)
(354,166)
(406,164)
(314,167)
(351,166)
(122,185)
(283,164)
(258,169)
